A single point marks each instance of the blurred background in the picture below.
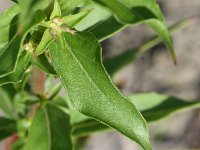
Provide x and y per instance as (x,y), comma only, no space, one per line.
(155,71)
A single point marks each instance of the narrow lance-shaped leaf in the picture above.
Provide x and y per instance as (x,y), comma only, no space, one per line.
(97,15)
(77,61)
(153,107)
(50,130)
(56,10)
(157,106)
(117,62)
(44,43)
(131,12)
(70,21)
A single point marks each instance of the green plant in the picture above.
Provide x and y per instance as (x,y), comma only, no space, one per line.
(41,40)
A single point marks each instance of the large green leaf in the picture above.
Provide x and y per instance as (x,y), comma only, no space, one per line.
(5,25)
(10,56)
(50,130)
(153,107)
(7,128)
(77,61)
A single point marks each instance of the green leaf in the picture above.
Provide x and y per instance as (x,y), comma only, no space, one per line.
(87,127)
(97,15)
(72,20)
(77,61)
(131,12)
(29,7)
(17,145)
(44,43)
(164,34)
(6,103)
(153,107)
(56,10)
(21,66)
(128,15)
(117,62)
(10,56)
(106,28)
(7,127)
(5,25)
(157,106)
(68,6)
(43,63)
(50,130)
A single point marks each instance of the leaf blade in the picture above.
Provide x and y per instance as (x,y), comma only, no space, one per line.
(53,132)
(87,80)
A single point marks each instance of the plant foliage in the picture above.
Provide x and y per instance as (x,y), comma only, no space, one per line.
(41,40)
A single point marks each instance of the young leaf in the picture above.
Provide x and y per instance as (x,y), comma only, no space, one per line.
(44,43)
(77,61)
(72,20)
(7,128)
(56,10)
(50,130)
